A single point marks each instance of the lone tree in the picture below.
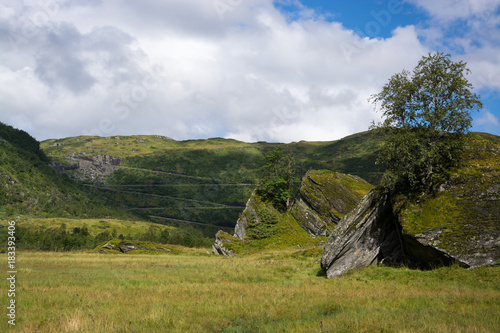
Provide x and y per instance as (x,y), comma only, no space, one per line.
(427,114)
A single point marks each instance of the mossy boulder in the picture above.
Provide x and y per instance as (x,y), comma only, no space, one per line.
(222,238)
(463,218)
(459,224)
(325,197)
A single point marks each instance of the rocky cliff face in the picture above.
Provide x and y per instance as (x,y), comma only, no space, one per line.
(325,196)
(368,235)
(94,168)
(332,195)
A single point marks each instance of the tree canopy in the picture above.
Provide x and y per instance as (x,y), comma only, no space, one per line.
(427,112)
(436,96)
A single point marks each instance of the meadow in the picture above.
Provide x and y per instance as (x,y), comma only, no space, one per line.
(272,291)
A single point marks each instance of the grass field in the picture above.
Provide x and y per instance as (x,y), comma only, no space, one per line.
(94,226)
(266,292)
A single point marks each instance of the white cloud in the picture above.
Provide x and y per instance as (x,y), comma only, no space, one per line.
(469,30)
(451,10)
(185,69)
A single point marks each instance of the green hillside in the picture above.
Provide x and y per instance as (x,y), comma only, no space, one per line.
(30,187)
(224,159)
(201,182)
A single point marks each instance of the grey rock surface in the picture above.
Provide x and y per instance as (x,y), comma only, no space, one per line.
(218,247)
(368,235)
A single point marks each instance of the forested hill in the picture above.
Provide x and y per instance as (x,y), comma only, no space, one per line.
(28,186)
(197,181)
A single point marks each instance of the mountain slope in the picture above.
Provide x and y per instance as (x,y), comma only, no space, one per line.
(30,187)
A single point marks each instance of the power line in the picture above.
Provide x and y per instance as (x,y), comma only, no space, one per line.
(168,173)
(157,195)
(184,221)
(158,208)
(181,185)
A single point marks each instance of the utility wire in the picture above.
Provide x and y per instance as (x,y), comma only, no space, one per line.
(159,196)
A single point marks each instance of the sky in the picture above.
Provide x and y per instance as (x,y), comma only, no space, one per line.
(251,70)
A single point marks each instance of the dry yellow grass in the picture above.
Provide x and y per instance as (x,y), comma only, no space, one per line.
(270,292)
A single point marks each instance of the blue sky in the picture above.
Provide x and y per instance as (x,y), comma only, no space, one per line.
(273,70)
(375,19)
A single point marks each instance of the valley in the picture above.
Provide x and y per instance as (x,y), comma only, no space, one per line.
(116,234)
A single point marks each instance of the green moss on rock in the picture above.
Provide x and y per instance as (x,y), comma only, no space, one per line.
(325,196)
(463,218)
(332,194)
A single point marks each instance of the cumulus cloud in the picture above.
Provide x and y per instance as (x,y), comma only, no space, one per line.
(194,69)
(451,10)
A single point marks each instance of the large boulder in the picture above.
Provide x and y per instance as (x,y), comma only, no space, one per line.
(368,235)
(459,224)
(219,245)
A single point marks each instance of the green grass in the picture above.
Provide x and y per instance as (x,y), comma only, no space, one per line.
(95,226)
(266,292)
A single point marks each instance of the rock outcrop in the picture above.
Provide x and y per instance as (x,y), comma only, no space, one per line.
(463,219)
(219,248)
(325,196)
(331,194)
(94,168)
(309,219)
(368,235)
(253,205)
(459,224)
(117,246)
